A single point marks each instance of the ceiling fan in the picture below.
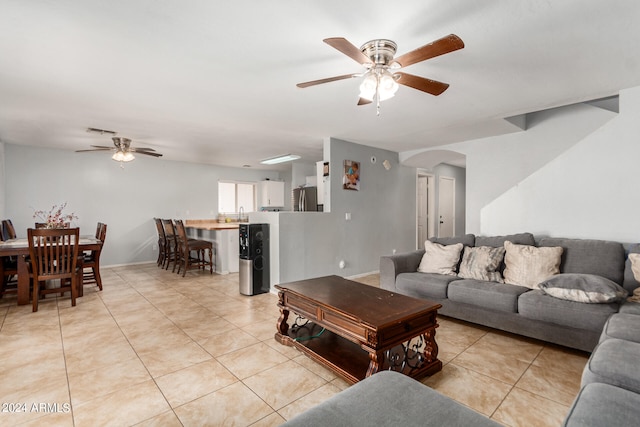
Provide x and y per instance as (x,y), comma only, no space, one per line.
(381,79)
(123,150)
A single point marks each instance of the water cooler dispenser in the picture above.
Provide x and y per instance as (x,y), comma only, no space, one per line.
(254,259)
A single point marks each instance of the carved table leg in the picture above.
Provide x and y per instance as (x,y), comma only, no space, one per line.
(375,362)
(282,326)
(431,346)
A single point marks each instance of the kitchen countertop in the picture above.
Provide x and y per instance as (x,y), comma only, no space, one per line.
(211,224)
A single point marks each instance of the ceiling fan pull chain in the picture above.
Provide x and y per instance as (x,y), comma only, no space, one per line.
(377,92)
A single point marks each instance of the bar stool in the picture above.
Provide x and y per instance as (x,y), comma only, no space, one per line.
(162,242)
(187,246)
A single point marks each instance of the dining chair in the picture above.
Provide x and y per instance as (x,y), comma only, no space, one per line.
(8,230)
(187,246)
(172,244)
(92,259)
(162,242)
(53,257)
(8,264)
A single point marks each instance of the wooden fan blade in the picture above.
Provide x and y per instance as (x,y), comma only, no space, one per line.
(327,80)
(346,47)
(426,85)
(363,101)
(439,47)
(147,153)
(141,149)
(102,146)
(95,149)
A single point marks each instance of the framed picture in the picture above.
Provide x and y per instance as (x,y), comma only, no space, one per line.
(351,179)
(325,169)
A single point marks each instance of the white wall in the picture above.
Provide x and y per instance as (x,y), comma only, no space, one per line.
(572,173)
(127,200)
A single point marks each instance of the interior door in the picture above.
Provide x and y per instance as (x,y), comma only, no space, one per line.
(446,206)
(423,197)
(426,209)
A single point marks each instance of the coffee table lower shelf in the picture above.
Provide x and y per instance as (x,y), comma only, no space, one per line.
(342,356)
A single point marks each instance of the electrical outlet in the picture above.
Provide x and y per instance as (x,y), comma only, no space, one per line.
(347,216)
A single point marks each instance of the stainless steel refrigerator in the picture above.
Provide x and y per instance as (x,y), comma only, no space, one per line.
(305,199)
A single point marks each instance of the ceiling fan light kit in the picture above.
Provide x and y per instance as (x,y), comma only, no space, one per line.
(380,82)
(123,151)
(122,156)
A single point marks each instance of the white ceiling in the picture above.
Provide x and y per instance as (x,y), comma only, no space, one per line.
(215,82)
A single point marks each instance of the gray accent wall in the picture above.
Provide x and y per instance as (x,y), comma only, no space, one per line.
(98,189)
(382,218)
(2,181)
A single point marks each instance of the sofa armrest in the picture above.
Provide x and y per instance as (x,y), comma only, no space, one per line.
(392,265)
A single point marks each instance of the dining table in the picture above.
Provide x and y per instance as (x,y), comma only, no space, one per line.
(19,248)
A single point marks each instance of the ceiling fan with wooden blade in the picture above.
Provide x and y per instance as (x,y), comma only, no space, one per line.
(123,151)
(381,79)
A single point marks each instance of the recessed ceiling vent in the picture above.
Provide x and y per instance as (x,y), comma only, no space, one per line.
(101,131)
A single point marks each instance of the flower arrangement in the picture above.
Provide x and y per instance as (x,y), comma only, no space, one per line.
(55,217)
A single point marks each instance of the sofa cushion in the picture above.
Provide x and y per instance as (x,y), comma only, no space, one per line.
(622,326)
(614,361)
(482,263)
(491,295)
(630,308)
(635,265)
(498,241)
(536,305)
(600,257)
(630,282)
(528,265)
(466,240)
(603,405)
(587,288)
(441,259)
(424,285)
(390,399)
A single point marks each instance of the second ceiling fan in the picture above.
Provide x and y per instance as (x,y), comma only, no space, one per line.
(382,77)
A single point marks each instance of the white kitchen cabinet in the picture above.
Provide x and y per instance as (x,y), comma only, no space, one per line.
(271,194)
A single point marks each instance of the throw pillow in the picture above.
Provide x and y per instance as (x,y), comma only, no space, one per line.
(439,258)
(588,288)
(635,266)
(482,263)
(529,265)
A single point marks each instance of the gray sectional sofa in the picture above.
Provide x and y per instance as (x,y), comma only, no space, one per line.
(610,389)
(519,309)
(609,395)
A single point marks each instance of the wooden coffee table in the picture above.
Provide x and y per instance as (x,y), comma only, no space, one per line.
(357,330)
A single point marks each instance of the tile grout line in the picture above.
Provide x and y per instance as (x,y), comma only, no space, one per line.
(513,386)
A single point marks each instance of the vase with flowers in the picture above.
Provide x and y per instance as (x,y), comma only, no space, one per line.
(55,217)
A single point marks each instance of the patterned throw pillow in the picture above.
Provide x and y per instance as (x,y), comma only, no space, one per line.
(529,265)
(439,258)
(482,263)
(635,266)
(587,288)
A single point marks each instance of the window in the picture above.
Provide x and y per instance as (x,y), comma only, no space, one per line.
(235,195)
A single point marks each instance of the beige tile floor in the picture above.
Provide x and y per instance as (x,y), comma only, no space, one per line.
(156,349)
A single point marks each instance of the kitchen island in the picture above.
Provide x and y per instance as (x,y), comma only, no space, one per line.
(224,236)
